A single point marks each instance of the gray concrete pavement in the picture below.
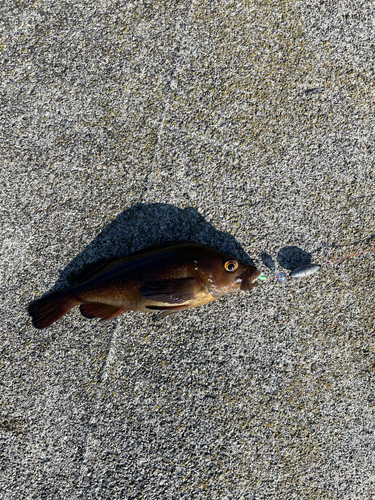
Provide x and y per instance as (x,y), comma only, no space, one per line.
(248,126)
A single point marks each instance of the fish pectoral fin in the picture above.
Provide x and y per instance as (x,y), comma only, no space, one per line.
(173,291)
(164,311)
(97,310)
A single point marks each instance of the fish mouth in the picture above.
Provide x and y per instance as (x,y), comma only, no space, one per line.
(248,278)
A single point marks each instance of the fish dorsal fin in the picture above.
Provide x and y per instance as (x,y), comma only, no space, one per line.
(97,310)
(173,291)
(89,271)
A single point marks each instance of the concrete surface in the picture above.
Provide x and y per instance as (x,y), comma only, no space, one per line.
(248,126)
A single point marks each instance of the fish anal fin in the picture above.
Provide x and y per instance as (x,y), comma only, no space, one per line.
(172,291)
(98,310)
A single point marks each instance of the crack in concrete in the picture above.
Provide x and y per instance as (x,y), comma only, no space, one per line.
(103,373)
(167,104)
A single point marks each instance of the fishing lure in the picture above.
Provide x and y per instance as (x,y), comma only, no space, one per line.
(308,269)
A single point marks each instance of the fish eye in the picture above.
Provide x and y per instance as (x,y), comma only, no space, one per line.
(231,265)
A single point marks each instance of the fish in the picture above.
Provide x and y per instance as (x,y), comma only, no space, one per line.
(166,278)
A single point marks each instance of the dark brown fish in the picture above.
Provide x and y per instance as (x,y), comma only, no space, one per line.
(168,278)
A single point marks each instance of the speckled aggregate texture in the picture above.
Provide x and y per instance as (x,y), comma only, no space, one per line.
(248,126)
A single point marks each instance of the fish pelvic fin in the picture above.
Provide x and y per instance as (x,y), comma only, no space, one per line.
(47,310)
(165,310)
(98,310)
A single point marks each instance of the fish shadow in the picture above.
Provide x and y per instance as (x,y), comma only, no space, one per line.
(268,261)
(291,257)
(143,225)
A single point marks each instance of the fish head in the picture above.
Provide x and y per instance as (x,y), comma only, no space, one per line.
(222,274)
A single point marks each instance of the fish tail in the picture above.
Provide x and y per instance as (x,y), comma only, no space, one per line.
(47,310)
